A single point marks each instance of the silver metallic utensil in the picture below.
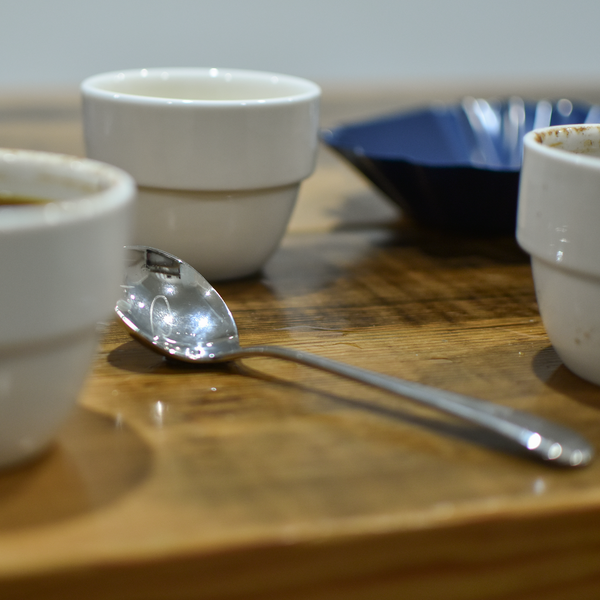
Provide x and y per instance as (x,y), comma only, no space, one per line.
(172,309)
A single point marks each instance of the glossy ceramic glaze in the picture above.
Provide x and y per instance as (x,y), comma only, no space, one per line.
(203,129)
(60,273)
(241,136)
(453,166)
(558,223)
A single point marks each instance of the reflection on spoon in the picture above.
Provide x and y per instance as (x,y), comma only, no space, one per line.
(192,323)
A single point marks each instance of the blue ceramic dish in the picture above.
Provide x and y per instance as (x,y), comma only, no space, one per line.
(453,167)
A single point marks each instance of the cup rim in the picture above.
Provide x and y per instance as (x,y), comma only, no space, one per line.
(94,85)
(109,188)
(533,141)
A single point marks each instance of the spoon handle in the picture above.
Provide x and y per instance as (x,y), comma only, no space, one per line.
(542,438)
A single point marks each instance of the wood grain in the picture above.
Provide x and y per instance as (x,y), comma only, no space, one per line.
(265,479)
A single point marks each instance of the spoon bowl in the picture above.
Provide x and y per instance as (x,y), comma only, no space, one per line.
(168,306)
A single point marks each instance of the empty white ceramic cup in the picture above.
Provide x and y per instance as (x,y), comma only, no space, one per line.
(218,155)
(558,225)
(61,267)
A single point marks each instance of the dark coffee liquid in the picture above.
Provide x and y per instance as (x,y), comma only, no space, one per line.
(7,199)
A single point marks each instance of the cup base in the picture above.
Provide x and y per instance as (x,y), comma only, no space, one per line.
(39,385)
(568,303)
(223,235)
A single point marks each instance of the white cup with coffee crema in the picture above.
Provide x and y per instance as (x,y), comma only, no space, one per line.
(559,225)
(63,223)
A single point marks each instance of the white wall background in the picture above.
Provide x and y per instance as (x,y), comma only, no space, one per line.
(59,42)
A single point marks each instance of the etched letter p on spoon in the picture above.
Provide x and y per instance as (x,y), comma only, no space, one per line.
(172,309)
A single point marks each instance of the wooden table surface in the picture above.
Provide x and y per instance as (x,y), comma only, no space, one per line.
(265,479)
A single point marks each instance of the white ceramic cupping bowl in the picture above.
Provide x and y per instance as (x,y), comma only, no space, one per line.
(61,268)
(558,225)
(218,155)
